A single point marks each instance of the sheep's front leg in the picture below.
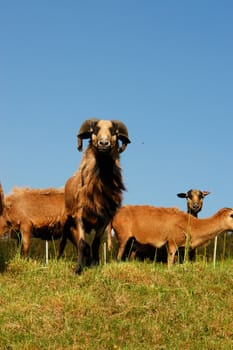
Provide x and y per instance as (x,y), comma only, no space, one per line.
(79,236)
(171,254)
(83,247)
(26,230)
(67,233)
(95,250)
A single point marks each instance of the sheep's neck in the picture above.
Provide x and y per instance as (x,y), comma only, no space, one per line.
(204,230)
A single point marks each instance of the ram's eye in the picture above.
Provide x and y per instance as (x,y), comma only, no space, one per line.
(113,130)
(96,129)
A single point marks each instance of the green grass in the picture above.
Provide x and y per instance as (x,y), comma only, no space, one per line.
(130,305)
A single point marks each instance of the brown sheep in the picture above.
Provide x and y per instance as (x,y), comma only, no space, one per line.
(158,226)
(32,212)
(94,193)
(194,205)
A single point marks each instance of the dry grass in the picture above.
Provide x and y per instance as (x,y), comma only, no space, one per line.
(127,305)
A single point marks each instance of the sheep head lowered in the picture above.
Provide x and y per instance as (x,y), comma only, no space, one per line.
(94,193)
(32,212)
(194,200)
(157,226)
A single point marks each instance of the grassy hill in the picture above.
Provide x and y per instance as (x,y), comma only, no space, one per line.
(128,305)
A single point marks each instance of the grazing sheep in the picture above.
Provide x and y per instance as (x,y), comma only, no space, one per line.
(158,226)
(94,193)
(32,212)
(194,200)
(194,206)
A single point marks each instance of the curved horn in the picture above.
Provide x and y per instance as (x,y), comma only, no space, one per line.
(122,133)
(1,199)
(85,131)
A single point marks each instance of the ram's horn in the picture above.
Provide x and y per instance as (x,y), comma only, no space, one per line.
(85,131)
(122,133)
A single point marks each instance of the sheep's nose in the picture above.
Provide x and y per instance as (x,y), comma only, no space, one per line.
(195,205)
(104,143)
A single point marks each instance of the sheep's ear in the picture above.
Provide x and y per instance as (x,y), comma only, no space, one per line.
(1,199)
(182,195)
(205,193)
(122,134)
(86,131)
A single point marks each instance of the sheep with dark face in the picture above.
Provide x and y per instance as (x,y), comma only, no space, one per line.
(194,200)
(94,193)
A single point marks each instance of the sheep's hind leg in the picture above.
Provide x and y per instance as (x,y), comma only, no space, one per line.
(121,250)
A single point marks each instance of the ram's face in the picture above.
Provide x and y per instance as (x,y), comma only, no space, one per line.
(104,137)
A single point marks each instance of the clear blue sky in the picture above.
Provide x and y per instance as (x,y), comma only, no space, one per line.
(164,68)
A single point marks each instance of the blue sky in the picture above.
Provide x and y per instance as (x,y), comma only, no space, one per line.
(164,68)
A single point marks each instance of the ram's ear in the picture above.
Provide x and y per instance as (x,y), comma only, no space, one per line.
(122,134)
(182,195)
(1,199)
(86,131)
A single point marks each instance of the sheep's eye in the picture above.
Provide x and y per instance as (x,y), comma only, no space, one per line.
(96,130)
(113,130)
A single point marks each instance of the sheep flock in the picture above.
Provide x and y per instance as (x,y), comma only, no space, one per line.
(90,204)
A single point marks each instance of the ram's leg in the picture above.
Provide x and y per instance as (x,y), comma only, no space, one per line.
(109,233)
(80,249)
(62,245)
(95,250)
(83,246)
(67,233)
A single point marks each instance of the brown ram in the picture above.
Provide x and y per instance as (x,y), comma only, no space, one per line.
(94,193)
(158,226)
(32,212)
